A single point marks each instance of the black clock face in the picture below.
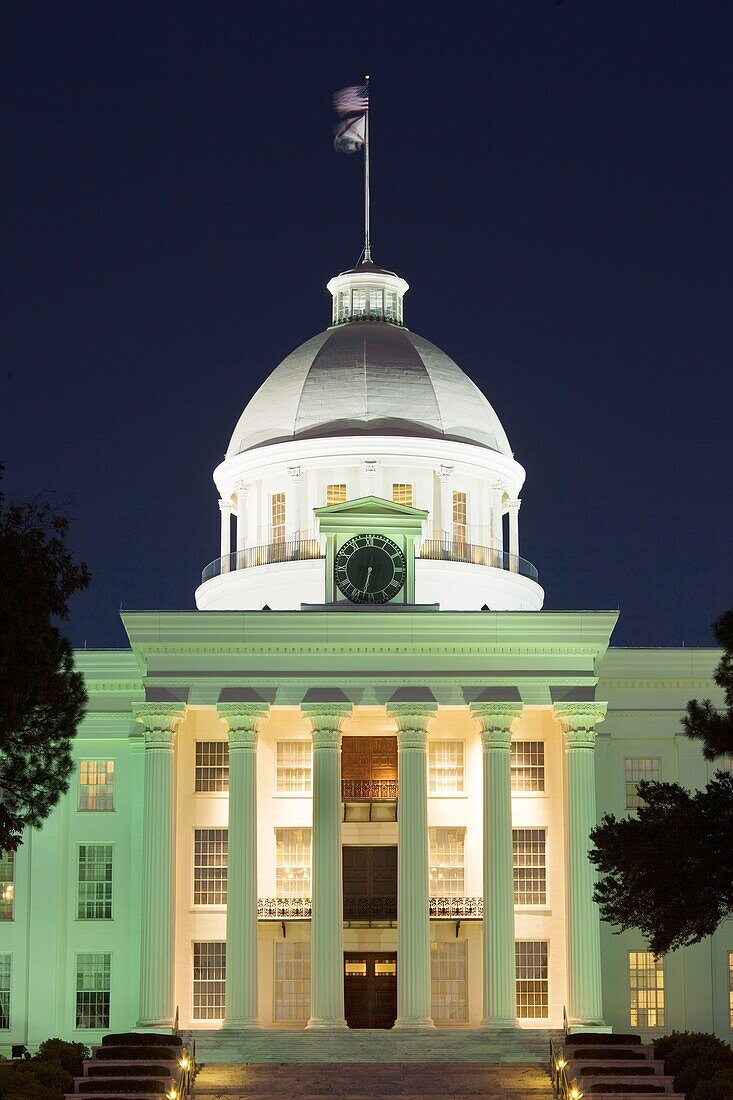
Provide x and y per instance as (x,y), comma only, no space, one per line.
(370,569)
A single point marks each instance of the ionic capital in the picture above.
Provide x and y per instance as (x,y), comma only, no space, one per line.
(495,720)
(370,466)
(294,472)
(445,473)
(226,505)
(241,487)
(160,722)
(514,505)
(327,721)
(578,721)
(242,721)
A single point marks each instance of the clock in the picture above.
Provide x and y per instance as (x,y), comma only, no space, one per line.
(369,569)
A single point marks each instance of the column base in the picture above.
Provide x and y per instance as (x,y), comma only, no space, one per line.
(319,1023)
(495,1022)
(413,1023)
(242,1023)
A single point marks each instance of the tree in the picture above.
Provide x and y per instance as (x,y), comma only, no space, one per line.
(668,870)
(42,696)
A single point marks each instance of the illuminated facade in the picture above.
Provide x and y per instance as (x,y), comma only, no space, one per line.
(355,787)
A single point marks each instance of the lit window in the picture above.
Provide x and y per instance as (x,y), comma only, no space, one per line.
(210,866)
(528,765)
(646,989)
(375,302)
(97,785)
(212,766)
(344,304)
(530,868)
(725,764)
(447,862)
(402,493)
(293,870)
(95,882)
(358,303)
(278,517)
(4,992)
(335,494)
(7,885)
(209,980)
(390,305)
(92,991)
(532,982)
(636,769)
(448,980)
(445,767)
(293,767)
(292,981)
(730,988)
(460,517)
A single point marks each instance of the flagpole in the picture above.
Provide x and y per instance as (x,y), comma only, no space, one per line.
(367,236)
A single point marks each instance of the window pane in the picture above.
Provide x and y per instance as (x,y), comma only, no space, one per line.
(460,517)
(530,872)
(97,785)
(7,885)
(636,769)
(402,493)
(278,517)
(293,871)
(4,992)
(528,765)
(210,866)
(447,861)
(293,767)
(95,882)
(448,980)
(336,494)
(358,303)
(92,990)
(445,767)
(532,981)
(646,990)
(292,981)
(209,980)
(212,766)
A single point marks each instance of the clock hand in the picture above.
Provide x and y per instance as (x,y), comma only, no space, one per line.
(366,582)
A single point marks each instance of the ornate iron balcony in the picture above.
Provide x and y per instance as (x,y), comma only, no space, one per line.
(369,789)
(456,908)
(370,908)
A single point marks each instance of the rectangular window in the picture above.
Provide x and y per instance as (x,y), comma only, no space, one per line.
(730,988)
(344,305)
(335,494)
(460,517)
(293,869)
(445,767)
(402,493)
(376,298)
(447,862)
(7,885)
(646,989)
(95,882)
(530,868)
(448,980)
(532,981)
(528,765)
(358,303)
(92,991)
(292,981)
(293,767)
(636,769)
(209,980)
(97,785)
(212,766)
(277,506)
(210,866)
(4,992)
(726,764)
(390,306)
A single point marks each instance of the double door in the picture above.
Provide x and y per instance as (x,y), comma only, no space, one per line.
(370,883)
(370,988)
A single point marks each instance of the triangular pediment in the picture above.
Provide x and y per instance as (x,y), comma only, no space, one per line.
(371,507)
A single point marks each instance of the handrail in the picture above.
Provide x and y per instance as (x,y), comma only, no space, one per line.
(442,549)
(562,1087)
(175,1022)
(272,553)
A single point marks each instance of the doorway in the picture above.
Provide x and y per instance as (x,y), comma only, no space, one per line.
(370,989)
(370,883)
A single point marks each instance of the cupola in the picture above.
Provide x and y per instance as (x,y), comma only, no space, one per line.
(367,293)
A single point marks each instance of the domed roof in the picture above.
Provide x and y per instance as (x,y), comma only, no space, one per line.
(368,378)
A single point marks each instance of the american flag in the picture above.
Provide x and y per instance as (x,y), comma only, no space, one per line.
(351,101)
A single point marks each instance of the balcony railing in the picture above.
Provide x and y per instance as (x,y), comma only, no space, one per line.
(369,789)
(456,908)
(284,909)
(370,908)
(273,553)
(469,552)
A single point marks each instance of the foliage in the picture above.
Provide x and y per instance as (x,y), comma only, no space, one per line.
(34,1080)
(677,846)
(701,1064)
(42,696)
(70,1056)
(703,722)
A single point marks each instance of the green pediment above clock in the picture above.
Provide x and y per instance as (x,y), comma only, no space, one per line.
(374,511)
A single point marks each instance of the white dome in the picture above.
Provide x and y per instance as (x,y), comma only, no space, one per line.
(368,377)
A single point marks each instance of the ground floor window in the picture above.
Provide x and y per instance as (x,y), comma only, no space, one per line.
(4,992)
(532,981)
(646,989)
(292,981)
(448,980)
(92,990)
(209,980)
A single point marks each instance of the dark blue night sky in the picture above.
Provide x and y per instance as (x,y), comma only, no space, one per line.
(553,179)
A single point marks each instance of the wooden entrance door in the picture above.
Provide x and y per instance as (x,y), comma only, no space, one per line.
(370,882)
(370,988)
(369,767)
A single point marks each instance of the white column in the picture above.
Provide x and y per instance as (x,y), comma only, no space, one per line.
(242,720)
(445,478)
(292,506)
(514,506)
(160,722)
(225,507)
(327,946)
(413,878)
(499,968)
(585,993)
(497,523)
(368,478)
(242,510)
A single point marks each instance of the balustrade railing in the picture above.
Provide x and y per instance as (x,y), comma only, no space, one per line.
(368,789)
(370,909)
(440,549)
(272,553)
(376,908)
(284,908)
(456,908)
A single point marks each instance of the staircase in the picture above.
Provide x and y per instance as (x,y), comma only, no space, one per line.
(136,1067)
(610,1067)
